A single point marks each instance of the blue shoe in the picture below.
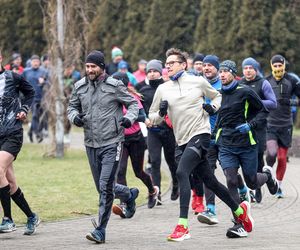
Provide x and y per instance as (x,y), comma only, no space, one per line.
(32,223)
(131,205)
(245,196)
(208,217)
(98,235)
(7,226)
(279,193)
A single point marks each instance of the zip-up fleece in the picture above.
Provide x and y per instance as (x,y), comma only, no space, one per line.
(185,97)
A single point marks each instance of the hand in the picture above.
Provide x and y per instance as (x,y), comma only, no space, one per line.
(163,108)
(284,101)
(21,116)
(125,122)
(78,120)
(208,108)
(243,128)
(148,123)
(41,80)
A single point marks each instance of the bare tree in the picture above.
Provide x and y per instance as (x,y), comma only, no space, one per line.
(65,23)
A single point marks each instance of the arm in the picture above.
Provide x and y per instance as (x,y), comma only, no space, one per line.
(26,89)
(257,109)
(154,116)
(128,101)
(270,98)
(141,116)
(74,107)
(214,95)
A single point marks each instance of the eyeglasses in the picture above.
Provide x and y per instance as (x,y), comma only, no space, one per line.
(171,63)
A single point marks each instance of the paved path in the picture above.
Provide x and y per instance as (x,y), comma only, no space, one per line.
(277,226)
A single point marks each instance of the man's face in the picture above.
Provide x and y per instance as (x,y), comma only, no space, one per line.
(153,74)
(123,70)
(35,63)
(174,65)
(226,76)
(249,72)
(198,66)
(93,71)
(209,71)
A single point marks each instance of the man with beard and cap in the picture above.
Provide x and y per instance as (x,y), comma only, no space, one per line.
(262,87)
(182,99)
(242,113)
(96,104)
(161,135)
(280,123)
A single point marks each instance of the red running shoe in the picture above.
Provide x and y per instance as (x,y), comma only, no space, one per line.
(246,218)
(180,233)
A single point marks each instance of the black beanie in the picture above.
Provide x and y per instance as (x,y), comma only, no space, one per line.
(198,57)
(97,58)
(277,59)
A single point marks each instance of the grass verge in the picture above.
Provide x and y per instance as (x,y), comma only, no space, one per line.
(62,188)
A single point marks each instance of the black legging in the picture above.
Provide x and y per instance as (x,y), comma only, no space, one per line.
(156,141)
(134,147)
(194,158)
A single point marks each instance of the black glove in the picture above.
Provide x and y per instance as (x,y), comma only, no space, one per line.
(284,101)
(208,108)
(125,122)
(163,108)
(78,120)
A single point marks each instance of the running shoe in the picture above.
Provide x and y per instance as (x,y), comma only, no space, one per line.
(246,218)
(153,198)
(279,193)
(237,231)
(245,196)
(7,226)
(258,195)
(179,234)
(175,192)
(98,235)
(32,223)
(271,182)
(208,217)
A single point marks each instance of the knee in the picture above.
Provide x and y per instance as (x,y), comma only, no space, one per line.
(231,180)
(181,174)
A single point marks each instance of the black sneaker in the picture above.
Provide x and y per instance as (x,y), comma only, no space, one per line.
(258,195)
(98,235)
(237,231)
(175,193)
(159,202)
(153,198)
(271,182)
(130,209)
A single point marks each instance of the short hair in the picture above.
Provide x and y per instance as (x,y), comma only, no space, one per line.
(182,55)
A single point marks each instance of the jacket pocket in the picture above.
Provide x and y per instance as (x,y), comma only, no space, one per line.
(109,128)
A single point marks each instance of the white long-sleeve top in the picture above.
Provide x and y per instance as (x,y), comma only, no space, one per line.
(185,97)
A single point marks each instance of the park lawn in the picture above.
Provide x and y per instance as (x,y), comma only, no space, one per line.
(62,188)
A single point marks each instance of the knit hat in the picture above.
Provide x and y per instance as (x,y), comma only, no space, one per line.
(97,58)
(277,59)
(15,56)
(121,76)
(198,57)
(33,57)
(116,52)
(230,66)
(122,65)
(213,60)
(154,64)
(142,61)
(251,62)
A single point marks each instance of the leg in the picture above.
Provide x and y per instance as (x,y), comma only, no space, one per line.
(136,153)
(121,179)
(154,148)
(281,167)
(272,148)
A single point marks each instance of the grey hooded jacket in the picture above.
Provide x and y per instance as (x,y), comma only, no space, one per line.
(101,102)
